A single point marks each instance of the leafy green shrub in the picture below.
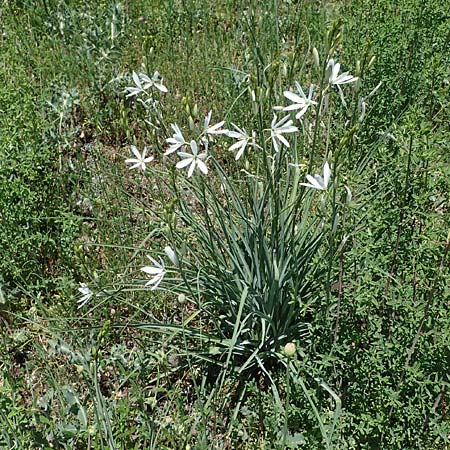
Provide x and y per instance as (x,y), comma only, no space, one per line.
(36,228)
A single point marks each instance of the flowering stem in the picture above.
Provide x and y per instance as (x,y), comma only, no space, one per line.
(331,250)
(286,410)
(318,115)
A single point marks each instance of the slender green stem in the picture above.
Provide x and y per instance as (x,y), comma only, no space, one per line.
(286,410)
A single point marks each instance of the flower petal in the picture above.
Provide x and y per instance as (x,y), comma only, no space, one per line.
(294,97)
(326,174)
(184,162)
(136,152)
(191,168)
(237,145)
(152,270)
(202,166)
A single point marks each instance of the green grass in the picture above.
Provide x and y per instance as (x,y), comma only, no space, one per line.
(104,376)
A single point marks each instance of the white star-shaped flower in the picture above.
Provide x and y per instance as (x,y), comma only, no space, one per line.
(87,294)
(192,160)
(134,90)
(343,78)
(157,271)
(285,125)
(300,100)
(213,129)
(243,138)
(140,161)
(317,181)
(155,81)
(144,82)
(337,80)
(176,141)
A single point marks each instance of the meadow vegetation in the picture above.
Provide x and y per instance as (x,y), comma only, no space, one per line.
(199,251)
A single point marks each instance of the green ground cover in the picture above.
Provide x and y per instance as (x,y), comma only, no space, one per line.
(353,275)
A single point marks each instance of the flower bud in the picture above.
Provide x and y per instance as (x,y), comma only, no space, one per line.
(289,349)
(171,255)
(181,299)
(191,123)
(316,57)
(335,223)
(348,198)
(363,111)
(254,103)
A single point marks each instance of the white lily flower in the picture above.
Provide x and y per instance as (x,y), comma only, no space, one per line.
(132,91)
(140,161)
(301,101)
(157,271)
(213,129)
(87,294)
(144,82)
(285,125)
(343,78)
(155,81)
(243,140)
(317,181)
(337,80)
(176,141)
(192,160)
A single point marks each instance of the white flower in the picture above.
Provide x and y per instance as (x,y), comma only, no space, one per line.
(243,140)
(155,81)
(337,80)
(343,78)
(157,271)
(140,160)
(132,91)
(317,182)
(87,294)
(301,102)
(213,129)
(144,82)
(192,159)
(176,141)
(277,130)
